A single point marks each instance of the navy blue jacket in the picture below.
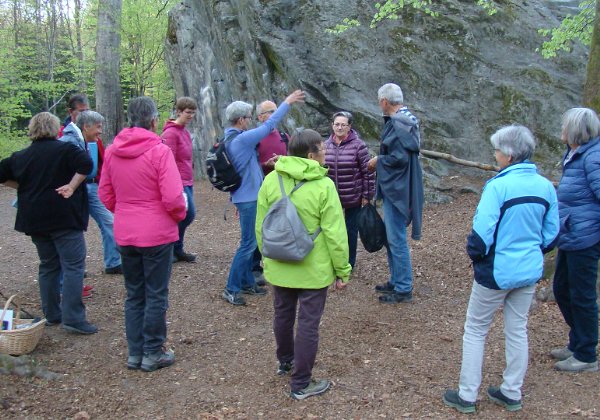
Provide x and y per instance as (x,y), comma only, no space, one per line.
(579,198)
(515,223)
(399,174)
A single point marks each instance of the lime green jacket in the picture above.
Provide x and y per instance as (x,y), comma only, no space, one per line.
(318,204)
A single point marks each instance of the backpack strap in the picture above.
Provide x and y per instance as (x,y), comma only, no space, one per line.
(298,185)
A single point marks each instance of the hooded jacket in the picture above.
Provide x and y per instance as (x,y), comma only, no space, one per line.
(579,198)
(347,163)
(178,138)
(399,174)
(317,204)
(141,185)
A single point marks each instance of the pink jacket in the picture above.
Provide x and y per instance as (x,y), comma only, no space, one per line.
(141,185)
(179,140)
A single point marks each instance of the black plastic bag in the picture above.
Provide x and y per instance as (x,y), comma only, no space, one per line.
(371,228)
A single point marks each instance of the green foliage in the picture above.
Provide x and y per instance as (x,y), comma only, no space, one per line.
(572,28)
(11,142)
(392,10)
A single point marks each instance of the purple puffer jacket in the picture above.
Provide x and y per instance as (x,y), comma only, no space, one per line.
(347,164)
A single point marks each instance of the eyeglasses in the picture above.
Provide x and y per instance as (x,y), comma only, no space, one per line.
(341,125)
(270,111)
(248,117)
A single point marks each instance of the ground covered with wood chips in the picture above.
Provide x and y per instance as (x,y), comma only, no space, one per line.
(384,361)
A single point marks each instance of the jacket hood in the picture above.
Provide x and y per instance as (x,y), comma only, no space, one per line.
(352,135)
(132,142)
(72,130)
(172,124)
(300,168)
(407,130)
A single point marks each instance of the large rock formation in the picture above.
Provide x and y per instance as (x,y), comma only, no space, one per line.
(463,73)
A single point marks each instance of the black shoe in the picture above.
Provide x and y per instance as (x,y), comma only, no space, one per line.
(386,287)
(52,322)
(396,297)
(285,368)
(81,328)
(452,399)
(254,290)
(259,278)
(157,360)
(233,298)
(118,269)
(499,398)
(184,256)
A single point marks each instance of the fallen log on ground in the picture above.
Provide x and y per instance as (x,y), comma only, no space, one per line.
(454,159)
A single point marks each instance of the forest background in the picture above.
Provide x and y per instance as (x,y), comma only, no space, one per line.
(52,48)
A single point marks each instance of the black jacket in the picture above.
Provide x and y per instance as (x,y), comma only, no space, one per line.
(39,169)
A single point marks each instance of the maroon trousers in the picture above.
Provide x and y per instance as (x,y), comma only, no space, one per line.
(301,349)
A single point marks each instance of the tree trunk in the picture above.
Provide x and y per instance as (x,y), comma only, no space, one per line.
(591,91)
(109,101)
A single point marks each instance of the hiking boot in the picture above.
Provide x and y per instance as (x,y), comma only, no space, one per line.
(386,287)
(88,288)
(313,388)
(81,328)
(118,269)
(254,290)
(184,256)
(396,297)
(573,365)
(157,360)
(499,398)
(452,399)
(233,298)
(259,278)
(562,353)
(134,362)
(285,368)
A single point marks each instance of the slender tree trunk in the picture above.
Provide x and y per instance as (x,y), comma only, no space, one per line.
(109,101)
(79,51)
(591,91)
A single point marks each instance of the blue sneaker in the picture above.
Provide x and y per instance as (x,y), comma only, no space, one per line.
(499,398)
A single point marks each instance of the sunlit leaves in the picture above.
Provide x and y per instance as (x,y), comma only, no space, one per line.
(573,28)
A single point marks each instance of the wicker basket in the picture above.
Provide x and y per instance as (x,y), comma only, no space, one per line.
(20,341)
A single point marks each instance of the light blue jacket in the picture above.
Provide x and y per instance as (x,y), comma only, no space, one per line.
(72,134)
(242,151)
(579,198)
(515,223)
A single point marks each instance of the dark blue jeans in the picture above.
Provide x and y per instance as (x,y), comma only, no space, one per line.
(147,271)
(64,251)
(240,273)
(189,217)
(351,216)
(575,292)
(302,349)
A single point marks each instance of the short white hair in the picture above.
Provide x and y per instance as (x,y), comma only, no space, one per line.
(580,125)
(514,140)
(391,92)
(237,110)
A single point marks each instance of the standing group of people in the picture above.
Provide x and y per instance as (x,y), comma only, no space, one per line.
(147,180)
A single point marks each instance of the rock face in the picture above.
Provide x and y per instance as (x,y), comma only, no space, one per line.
(463,73)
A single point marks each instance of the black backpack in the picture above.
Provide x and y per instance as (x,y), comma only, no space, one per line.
(219,168)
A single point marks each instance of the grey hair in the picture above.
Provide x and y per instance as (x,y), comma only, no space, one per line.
(89,118)
(516,141)
(580,125)
(141,111)
(391,92)
(237,110)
